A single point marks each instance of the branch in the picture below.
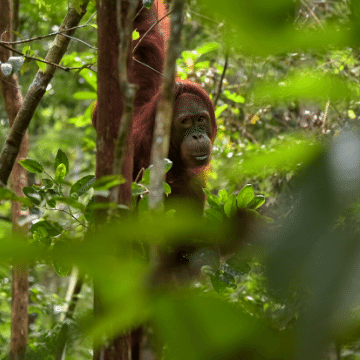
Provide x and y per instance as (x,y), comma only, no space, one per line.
(36,91)
(161,140)
(124,138)
(65,68)
(221,80)
(72,298)
(49,35)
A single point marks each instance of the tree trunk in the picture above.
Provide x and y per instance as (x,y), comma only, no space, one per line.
(20,285)
(109,115)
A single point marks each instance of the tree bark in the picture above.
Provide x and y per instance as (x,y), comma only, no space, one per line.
(114,130)
(20,285)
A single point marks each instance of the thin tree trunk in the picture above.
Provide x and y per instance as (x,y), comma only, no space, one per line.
(110,114)
(20,285)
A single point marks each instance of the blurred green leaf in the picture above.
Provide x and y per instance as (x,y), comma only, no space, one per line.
(109,181)
(83,185)
(33,195)
(60,172)
(256,202)
(85,95)
(61,158)
(261,27)
(207,48)
(200,327)
(245,196)
(230,206)
(167,188)
(52,228)
(31,165)
(234,97)
(223,195)
(71,202)
(304,84)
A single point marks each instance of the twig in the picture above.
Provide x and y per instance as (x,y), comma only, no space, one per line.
(136,46)
(221,79)
(46,36)
(42,60)
(147,66)
(312,13)
(325,114)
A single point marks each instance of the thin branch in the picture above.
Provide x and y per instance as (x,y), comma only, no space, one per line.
(49,35)
(221,79)
(140,62)
(72,298)
(65,68)
(312,13)
(203,16)
(157,22)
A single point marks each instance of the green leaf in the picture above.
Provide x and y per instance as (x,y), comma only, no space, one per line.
(202,65)
(222,280)
(78,5)
(144,204)
(108,181)
(138,189)
(72,202)
(41,65)
(148,3)
(52,228)
(31,165)
(246,194)
(207,270)
(223,195)
(135,35)
(220,109)
(230,206)
(351,114)
(100,205)
(214,201)
(61,266)
(60,172)
(89,211)
(167,188)
(51,202)
(46,183)
(170,214)
(83,185)
(256,202)
(42,235)
(213,215)
(146,177)
(84,95)
(168,164)
(33,195)
(207,48)
(207,192)
(234,97)
(239,265)
(61,158)
(6,194)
